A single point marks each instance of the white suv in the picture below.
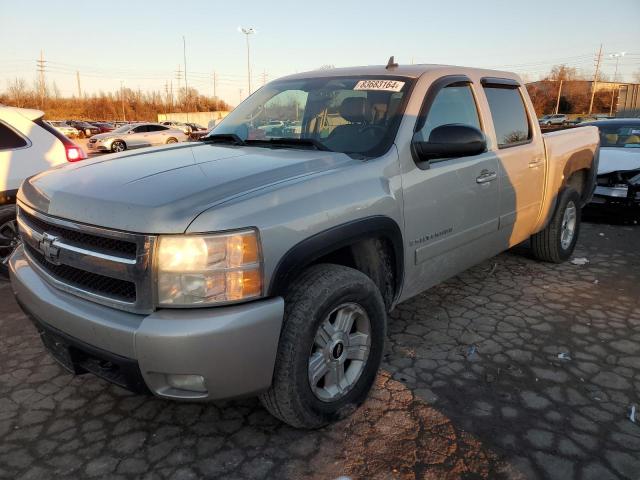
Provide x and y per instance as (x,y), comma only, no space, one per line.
(28,145)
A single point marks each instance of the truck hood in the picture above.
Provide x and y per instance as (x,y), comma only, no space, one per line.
(162,190)
(618,159)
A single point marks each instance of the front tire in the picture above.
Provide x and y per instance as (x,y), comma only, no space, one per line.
(330,347)
(172,140)
(118,146)
(9,238)
(557,241)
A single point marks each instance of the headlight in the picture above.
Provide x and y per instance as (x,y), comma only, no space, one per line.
(208,269)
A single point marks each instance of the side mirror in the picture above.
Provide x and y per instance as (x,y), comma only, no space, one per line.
(450,141)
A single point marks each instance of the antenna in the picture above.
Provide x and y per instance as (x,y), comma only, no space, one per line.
(391,63)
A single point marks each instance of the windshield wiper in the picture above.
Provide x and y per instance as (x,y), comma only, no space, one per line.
(230,138)
(284,142)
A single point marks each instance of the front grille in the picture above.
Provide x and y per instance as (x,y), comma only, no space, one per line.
(105,266)
(101,244)
(97,284)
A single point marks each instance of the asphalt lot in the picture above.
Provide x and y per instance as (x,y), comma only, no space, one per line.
(472,386)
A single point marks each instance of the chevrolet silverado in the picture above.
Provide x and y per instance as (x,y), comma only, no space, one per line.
(263,261)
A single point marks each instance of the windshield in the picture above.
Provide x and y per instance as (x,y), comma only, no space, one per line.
(625,136)
(122,129)
(353,115)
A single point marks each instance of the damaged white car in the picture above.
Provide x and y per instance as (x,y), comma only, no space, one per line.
(618,183)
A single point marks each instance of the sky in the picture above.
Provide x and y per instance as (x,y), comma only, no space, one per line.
(139,43)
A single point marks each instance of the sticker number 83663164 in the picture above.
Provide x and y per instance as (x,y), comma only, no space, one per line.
(385,85)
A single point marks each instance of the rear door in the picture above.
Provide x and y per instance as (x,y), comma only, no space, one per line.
(521,159)
(451,205)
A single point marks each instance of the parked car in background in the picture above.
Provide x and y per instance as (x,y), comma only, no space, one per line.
(185,128)
(136,135)
(28,145)
(85,128)
(244,265)
(618,183)
(63,128)
(554,119)
(104,126)
(579,120)
(197,131)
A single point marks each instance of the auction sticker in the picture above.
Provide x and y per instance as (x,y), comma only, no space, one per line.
(384,85)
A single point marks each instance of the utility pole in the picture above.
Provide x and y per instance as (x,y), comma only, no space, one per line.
(171,94)
(558,100)
(595,79)
(186,84)
(215,81)
(615,75)
(40,67)
(78,80)
(264,77)
(179,77)
(240,93)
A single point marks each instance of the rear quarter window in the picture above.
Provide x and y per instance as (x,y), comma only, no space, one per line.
(10,139)
(509,116)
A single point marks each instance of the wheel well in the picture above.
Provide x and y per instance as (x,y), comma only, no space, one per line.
(372,245)
(578,181)
(375,257)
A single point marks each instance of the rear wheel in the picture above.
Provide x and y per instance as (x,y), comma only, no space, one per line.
(557,241)
(9,238)
(118,146)
(172,140)
(330,347)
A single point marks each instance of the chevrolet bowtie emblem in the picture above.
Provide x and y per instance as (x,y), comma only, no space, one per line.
(50,251)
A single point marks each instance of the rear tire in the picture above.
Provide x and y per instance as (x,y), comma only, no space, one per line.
(557,241)
(9,238)
(330,347)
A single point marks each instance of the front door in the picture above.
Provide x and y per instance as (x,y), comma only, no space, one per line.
(451,207)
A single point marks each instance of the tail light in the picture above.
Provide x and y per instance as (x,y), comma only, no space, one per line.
(75,153)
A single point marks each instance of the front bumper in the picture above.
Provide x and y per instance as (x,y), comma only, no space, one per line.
(233,348)
(100,147)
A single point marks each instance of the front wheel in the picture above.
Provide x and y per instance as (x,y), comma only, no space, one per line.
(172,140)
(9,238)
(557,241)
(330,347)
(118,146)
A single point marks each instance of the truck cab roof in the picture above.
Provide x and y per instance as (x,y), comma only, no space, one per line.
(410,71)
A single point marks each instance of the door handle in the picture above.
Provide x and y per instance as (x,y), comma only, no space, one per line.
(486,176)
(535,163)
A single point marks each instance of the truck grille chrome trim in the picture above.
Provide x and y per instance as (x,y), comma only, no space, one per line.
(105,266)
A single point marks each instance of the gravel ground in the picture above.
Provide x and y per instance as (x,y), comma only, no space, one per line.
(513,369)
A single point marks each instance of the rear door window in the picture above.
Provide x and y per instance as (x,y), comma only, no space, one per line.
(9,139)
(509,116)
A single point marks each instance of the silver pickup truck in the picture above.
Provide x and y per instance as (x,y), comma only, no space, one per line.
(264,259)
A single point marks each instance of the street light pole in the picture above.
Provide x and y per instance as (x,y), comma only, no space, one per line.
(613,90)
(248,31)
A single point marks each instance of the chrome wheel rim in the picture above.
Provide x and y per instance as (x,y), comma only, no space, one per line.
(340,351)
(118,147)
(568,229)
(9,240)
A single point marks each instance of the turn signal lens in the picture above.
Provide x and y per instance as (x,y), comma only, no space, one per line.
(209,269)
